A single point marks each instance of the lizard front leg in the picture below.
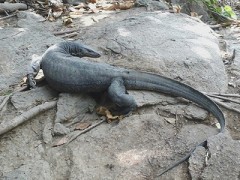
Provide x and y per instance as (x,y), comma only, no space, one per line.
(118,94)
(33,70)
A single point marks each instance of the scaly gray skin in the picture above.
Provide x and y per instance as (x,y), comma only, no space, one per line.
(66,71)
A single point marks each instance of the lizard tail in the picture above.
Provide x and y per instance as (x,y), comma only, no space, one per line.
(157,83)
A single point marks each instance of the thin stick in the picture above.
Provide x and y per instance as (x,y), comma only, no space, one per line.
(8,97)
(226,95)
(226,106)
(225,98)
(64,32)
(8,16)
(84,131)
(9,125)
(69,35)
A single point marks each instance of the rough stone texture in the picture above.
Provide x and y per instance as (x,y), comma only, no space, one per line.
(28,99)
(195,112)
(152,5)
(193,6)
(30,170)
(224,152)
(197,163)
(23,146)
(120,153)
(139,146)
(47,133)
(60,129)
(143,98)
(17,45)
(2,98)
(72,105)
(184,49)
(191,111)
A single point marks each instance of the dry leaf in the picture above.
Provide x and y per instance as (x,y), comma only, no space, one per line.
(170,120)
(67,21)
(51,18)
(91,1)
(76,14)
(93,8)
(101,110)
(194,14)
(105,112)
(57,14)
(177,8)
(62,141)
(117,5)
(126,5)
(82,126)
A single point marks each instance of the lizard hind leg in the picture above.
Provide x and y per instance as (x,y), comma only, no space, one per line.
(118,94)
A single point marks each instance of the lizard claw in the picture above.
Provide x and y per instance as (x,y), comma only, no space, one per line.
(31,81)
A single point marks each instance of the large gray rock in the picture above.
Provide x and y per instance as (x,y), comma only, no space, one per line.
(28,99)
(139,146)
(223,161)
(70,106)
(174,45)
(30,170)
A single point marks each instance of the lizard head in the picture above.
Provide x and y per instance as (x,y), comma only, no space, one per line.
(89,53)
(81,50)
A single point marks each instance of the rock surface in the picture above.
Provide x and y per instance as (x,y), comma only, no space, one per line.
(223,152)
(17,45)
(72,105)
(185,49)
(28,99)
(139,146)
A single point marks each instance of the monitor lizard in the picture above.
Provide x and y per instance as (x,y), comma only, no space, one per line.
(66,71)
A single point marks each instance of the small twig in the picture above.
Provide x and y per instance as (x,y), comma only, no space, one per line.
(86,130)
(70,35)
(216,26)
(225,106)
(8,16)
(5,100)
(12,35)
(8,97)
(224,98)
(10,124)
(64,32)
(226,95)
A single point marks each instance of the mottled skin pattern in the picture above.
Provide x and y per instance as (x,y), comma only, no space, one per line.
(66,71)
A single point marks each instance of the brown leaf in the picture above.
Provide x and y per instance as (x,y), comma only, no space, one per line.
(92,1)
(62,141)
(101,110)
(105,112)
(177,8)
(126,5)
(82,126)
(67,21)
